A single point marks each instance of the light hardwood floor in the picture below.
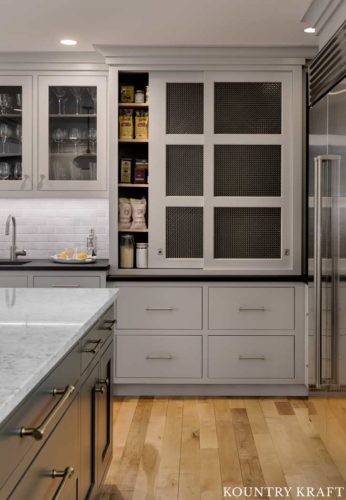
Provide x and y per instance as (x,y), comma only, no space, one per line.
(189,448)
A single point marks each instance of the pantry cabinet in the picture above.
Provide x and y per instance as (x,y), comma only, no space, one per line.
(72,128)
(16,133)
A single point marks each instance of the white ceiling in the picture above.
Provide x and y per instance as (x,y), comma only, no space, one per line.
(38,25)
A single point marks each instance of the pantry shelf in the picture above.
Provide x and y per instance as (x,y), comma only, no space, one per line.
(130,185)
(133,105)
(133,230)
(81,115)
(133,141)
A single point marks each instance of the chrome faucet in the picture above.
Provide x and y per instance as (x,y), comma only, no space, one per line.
(13,250)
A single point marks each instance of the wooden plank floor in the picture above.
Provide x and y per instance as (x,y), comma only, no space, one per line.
(189,448)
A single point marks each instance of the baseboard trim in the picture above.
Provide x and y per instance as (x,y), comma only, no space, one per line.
(241,390)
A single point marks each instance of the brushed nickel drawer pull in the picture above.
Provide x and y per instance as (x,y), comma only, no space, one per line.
(65,286)
(261,309)
(96,343)
(108,325)
(261,358)
(159,308)
(38,432)
(65,474)
(159,356)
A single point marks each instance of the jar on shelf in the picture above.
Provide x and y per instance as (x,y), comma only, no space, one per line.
(142,255)
(127,251)
(126,124)
(139,96)
(125,170)
(127,93)
(141,124)
(140,172)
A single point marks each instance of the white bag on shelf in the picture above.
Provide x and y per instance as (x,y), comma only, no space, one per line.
(139,208)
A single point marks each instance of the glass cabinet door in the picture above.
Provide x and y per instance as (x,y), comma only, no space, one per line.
(15,133)
(72,140)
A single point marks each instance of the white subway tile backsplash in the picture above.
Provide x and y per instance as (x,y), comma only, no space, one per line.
(47,226)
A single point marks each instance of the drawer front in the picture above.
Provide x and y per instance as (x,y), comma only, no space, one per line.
(14,281)
(96,338)
(66,282)
(251,357)
(158,356)
(33,412)
(59,452)
(246,308)
(160,308)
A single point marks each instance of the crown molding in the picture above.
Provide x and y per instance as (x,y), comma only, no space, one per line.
(209,55)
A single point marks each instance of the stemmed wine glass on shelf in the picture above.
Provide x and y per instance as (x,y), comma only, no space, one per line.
(17,171)
(93,138)
(4,171)
(60,93)
(77,93)
(5,133)
(75,136)
(58,136)
(93,94)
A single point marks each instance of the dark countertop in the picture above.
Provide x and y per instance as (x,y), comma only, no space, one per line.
(162,277)
(48,265)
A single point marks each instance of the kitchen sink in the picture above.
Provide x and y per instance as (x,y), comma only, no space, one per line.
(4,262)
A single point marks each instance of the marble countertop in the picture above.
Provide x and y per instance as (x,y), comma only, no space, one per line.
(37,328)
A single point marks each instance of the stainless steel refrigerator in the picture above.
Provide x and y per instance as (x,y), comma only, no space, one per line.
(327,232)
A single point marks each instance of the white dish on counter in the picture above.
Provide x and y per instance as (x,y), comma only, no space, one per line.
(89,260)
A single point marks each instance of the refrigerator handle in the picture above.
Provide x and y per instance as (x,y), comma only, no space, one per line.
(318,268)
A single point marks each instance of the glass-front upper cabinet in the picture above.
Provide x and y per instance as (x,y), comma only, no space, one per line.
(15,133)
(72,133)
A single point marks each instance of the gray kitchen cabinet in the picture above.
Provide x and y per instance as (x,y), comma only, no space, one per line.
(53,279)
(76,441)
(13,280)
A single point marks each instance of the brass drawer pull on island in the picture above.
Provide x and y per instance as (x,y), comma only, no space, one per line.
(261,358)
(65,474)
(159,308)
(108,325)
(96,343)
(159,356)
(38,432)
(260,309)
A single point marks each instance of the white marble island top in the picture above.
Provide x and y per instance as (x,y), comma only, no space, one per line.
(37,328)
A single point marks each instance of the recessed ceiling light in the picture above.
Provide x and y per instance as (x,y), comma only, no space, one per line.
(310,30)
(68,42)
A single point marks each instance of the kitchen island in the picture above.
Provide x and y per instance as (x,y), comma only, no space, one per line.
(56,352)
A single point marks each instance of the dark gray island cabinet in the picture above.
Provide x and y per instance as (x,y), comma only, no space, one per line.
(57,443)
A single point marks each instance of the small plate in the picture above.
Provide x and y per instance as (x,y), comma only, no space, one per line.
(90,260)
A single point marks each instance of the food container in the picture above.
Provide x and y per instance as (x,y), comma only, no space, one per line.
(141,124)
(126,124)
(127,246)
(147,93)
(139,96)
(127,93)
(125,170)
(140,172)
(142,255)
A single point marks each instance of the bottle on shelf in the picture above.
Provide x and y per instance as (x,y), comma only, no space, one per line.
(91,243)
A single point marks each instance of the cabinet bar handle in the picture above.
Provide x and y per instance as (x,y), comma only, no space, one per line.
(159,356)
(104,381)
(38,432)
(261,309)
(159,308)
(65,474)
(261,358)
(99,388)
(65,286)
(96,343)
(108,325)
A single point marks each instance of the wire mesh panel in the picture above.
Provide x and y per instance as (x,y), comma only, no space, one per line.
(247,108)
(247,170)
(247,233)
(184,232)
(184,170)
(184,108)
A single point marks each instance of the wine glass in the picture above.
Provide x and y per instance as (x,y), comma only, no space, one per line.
(75,136)
(18,133)
(58,136)
(60,171)
(60,93)
(4,170)
(17,171)
(93,138)
(77,93)
(4,103)
(19,101)
(5,133)
(93,94)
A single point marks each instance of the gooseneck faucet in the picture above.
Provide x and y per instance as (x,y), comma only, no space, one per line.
(13,250)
